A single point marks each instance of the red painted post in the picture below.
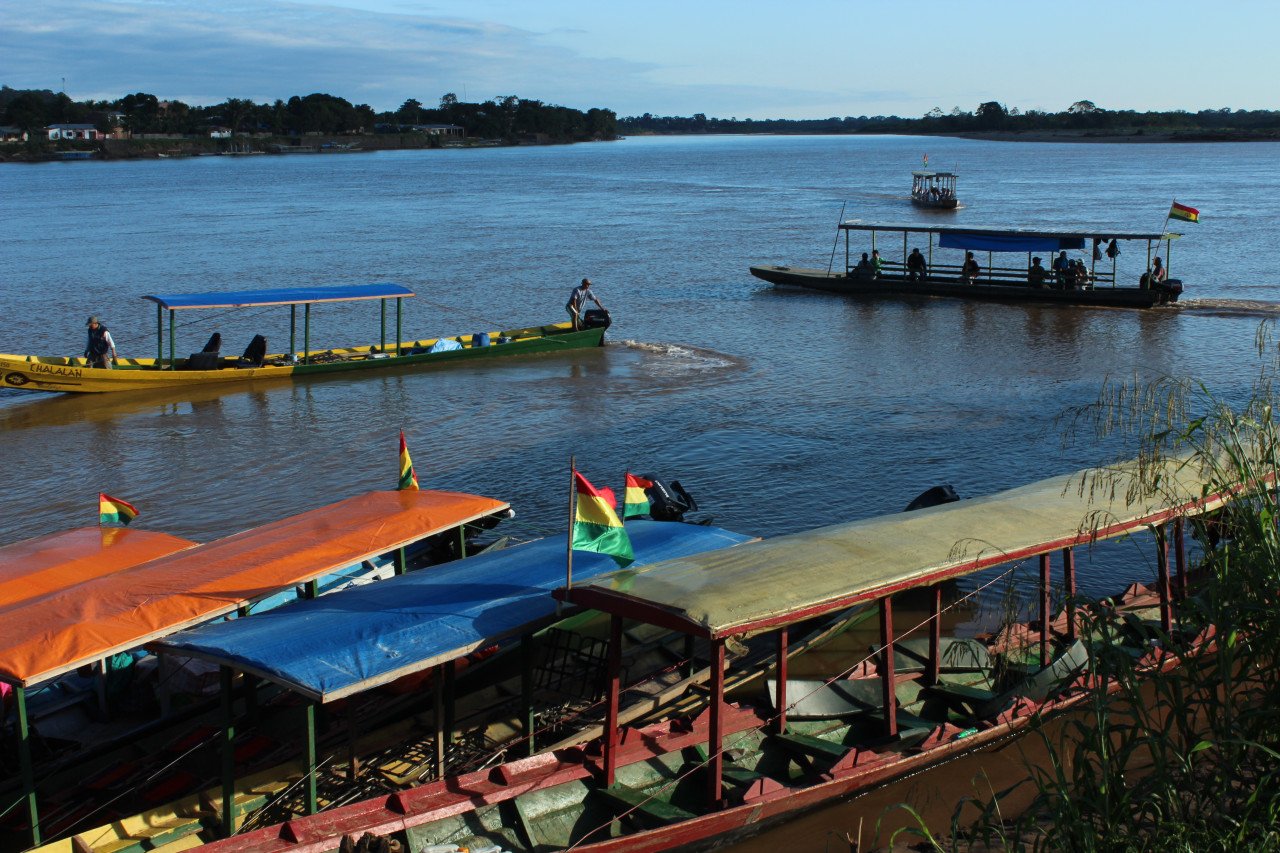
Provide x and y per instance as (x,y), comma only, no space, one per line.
(935,635)
(1180,555)
(780,701)
(613,687)
(715,734)
(1162,566)
(1044,609)
(1069,581)
(888,683)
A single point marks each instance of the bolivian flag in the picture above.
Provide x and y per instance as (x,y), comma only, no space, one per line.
(408,477)
(635,502)
(115,511)
(596,526)
(1186,214)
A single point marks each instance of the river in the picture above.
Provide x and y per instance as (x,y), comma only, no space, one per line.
(778,411)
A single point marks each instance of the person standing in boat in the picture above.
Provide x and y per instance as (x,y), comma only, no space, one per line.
(576,306)
(100,344)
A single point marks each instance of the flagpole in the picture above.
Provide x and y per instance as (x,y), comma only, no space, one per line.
(573,501)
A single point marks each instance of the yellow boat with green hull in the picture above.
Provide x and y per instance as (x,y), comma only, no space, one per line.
(75,375)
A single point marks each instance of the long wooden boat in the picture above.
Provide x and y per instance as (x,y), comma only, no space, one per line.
(74,375)
(910,703)
(1098,282)
(934,190)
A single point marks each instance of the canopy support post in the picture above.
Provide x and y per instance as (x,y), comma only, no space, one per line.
(1069,582)
(382,304)
(1162,567)
(293,332)
(399,318)
(526,691)
(846,251)
(888,681)
(462,541)
(226,677)
(935,634)
(990,273)
(904,252)
(1180,556)
(450,699)
(686,668)
(159,336)
(1168,259)
(312,589)
(715,728)
(173,330)
(930,236)
(353,756)
(402,561)
(439,721)
(613,685)
(1113,273)
(306,333)
(1148,263)
(1044,609)
(780,699)
(24,763)
(313,800)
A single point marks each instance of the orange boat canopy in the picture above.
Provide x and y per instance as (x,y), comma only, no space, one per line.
(36,567)
(53,634)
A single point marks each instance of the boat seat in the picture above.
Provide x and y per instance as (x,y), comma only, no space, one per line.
(255,353)
(954,655)
(978,703)
(811,747)
(624,799)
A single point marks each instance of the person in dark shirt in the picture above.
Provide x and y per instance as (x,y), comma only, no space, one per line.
(917,269)
(1037,274)
(969,272)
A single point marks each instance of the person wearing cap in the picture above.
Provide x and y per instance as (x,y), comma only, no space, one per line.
(100,345)
(578,302)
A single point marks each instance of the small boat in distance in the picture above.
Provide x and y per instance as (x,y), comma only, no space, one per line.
(210,367)
(935,190)
(1080,266)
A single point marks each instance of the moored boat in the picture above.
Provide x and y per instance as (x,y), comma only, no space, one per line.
(211,367)
(910,703)
(1090,278)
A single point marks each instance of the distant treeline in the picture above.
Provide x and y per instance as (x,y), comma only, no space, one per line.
(991,116)
(506,117)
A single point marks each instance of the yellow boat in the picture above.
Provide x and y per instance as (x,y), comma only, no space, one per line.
(75,375)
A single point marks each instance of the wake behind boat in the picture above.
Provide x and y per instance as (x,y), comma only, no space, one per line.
(1091,278)
(210,366)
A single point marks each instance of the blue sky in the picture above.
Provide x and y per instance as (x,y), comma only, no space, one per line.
(748,58)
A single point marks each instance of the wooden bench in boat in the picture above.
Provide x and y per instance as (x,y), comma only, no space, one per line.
(631,801)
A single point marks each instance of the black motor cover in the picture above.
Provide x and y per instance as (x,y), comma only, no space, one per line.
(668,503)
(935,496)
(596,318)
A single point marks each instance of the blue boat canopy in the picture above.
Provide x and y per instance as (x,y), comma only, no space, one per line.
(1058,238)
(1008,242)
(350,641)
(280,296)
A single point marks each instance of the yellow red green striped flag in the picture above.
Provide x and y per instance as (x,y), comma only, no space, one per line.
(408,477)
(635,501)
(115,511)
(1186,214)
(596,526)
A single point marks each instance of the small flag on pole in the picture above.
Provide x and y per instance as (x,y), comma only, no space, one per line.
(636,501)
(596,526)
(1186,214)
(408,477)
(115,511)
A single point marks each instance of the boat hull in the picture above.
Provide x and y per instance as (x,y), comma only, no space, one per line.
(73,375)
(940,204)
(897,287)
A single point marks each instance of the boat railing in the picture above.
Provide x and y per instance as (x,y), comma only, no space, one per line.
(988,273)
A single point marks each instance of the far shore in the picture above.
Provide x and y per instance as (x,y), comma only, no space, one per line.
(1118,136)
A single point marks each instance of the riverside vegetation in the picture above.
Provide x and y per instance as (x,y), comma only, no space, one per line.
(1187,759)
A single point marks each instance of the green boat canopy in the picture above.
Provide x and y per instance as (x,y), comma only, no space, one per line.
(280,296)
(786,579)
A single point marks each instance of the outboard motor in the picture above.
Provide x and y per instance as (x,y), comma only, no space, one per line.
(1170,289)
(596,318)
(668,503)
(935,496)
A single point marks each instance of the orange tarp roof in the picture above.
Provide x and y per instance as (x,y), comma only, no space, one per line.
(124,610)
(37,567)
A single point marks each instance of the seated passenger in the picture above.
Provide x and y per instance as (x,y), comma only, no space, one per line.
(916,267)
(864,271)
(1158,272)
(1037,274)
(1060,266)
(877,266)
(969,272)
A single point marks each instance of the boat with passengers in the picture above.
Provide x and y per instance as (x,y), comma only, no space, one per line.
(1062,266)
(934,190)
(916,698)
(211,367)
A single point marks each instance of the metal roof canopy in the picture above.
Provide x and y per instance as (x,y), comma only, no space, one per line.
(280,296)
(105,615)
(918,228)
(329,647)
(786,579)
(934,175)
(46,564)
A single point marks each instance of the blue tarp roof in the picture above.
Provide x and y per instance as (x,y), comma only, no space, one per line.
(281,296)
(979,242)
(350,641)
